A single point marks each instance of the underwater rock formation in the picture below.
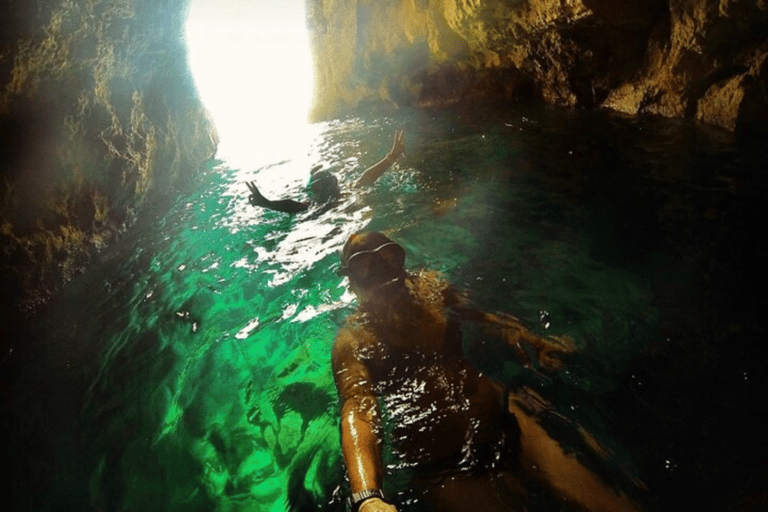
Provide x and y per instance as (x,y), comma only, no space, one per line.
(99,118)
(703,59)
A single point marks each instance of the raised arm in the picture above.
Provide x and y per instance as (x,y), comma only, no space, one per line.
(375,171)
(281,205)
(360,423)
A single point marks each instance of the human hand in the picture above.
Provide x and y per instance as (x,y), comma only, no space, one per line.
(398,145)
(553,349)
(376,505)
(255,198)
(549,351)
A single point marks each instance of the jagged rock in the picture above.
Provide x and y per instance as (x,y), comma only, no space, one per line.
(676,58)
(738,100)
(98,117)
(701,62)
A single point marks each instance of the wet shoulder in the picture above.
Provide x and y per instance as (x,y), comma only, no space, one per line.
(429,286)
(350,369)
(353,340)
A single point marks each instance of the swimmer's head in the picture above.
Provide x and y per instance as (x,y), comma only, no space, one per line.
(323,185)
(370,259)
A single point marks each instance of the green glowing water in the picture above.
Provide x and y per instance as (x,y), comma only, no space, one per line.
(191,369)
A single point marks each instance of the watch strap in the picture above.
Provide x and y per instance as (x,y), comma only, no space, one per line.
(358,498)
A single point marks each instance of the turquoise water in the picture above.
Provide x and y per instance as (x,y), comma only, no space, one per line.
(190,368)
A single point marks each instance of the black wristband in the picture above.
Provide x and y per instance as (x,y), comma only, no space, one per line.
(358,498)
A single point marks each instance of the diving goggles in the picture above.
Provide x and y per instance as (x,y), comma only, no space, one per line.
(360,264)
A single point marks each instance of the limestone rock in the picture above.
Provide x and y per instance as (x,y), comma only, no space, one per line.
(676,58)
(738,100)
(98,117)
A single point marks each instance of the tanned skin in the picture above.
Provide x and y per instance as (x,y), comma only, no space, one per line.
(404,322)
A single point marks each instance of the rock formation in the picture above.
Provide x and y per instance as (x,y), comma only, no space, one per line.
(703,59)
(98,119)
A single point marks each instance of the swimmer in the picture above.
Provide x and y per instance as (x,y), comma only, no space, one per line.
(469,441)
(324,185)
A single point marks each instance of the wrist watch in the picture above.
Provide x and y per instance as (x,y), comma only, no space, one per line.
(358,498)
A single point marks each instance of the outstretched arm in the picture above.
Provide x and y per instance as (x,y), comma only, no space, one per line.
(549,350)
(515,333)
(360,423)
(282,205)
(375,171)
(543,459)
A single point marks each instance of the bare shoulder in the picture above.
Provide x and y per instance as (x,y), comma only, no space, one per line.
(429,286)
(345,343)
(350,371)
(352,339)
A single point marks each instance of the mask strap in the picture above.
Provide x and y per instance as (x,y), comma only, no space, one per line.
(370,251)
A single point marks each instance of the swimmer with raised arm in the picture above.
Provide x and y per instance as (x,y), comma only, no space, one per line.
(324,186)
(468,440)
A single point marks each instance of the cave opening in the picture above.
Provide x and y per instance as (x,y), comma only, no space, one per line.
(252,67)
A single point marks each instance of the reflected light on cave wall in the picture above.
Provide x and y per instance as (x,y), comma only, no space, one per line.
(253,70)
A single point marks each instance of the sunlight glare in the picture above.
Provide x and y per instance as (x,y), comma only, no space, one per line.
(253,71)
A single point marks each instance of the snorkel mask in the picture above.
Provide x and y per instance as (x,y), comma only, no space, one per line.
(369,267)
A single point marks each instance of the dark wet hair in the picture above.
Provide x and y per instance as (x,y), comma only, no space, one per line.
(324,185)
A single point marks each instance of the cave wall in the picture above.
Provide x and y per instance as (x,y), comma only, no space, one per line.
(703,59)
(99,119)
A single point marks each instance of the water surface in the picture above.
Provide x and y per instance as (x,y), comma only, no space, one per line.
(190,368)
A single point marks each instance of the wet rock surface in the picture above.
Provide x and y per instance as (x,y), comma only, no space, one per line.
(99,120)
(702,59)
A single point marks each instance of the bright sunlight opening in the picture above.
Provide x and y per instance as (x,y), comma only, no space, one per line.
(253,70)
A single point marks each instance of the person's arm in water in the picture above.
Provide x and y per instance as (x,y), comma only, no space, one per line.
(281,205)
(375,171)
(360,423)
(515,333)
(543,459)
